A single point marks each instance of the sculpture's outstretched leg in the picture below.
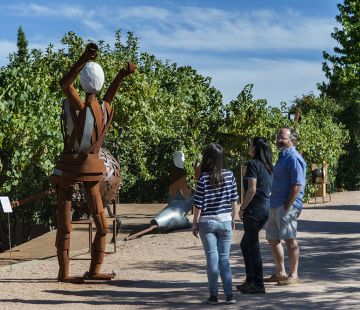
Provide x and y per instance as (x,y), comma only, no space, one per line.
(141,232)
(99,244)
(63,234)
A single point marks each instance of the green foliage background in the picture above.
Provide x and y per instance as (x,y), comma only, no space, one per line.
(342,68)
(159,109)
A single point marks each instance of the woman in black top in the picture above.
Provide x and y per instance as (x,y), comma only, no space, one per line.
(254,212)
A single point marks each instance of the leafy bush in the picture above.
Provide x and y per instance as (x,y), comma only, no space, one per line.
(158,110)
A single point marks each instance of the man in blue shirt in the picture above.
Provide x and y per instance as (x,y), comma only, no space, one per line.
(285,207)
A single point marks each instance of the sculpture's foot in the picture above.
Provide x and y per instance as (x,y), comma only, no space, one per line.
(72,279)
(99,276)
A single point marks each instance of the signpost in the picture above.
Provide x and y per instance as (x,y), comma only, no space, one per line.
(6,207)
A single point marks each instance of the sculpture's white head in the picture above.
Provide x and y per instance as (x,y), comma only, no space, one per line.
(179,159)
(92,77)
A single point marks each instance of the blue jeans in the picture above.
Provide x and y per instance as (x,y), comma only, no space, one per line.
(216,239)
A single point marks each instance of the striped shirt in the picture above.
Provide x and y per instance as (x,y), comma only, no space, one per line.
(215,203)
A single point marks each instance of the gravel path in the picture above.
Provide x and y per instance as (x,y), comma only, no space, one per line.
(167,271)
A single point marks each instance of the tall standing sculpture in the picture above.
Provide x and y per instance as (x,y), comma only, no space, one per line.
(85,124)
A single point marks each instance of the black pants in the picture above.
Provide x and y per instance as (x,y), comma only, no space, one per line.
(253,222)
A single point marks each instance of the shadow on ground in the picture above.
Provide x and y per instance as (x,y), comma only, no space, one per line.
(335,207)
(329,270)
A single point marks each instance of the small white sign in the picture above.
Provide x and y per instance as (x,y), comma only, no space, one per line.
(6,205)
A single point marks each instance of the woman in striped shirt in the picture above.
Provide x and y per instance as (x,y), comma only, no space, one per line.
(215,204)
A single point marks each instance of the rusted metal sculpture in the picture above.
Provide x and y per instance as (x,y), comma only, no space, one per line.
(85,124)
(180,201)
(109,189)
(111,183)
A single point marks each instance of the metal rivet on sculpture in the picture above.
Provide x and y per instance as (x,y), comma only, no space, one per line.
(85,124)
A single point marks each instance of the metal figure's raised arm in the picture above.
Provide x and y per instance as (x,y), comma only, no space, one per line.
(66,82)
(110,93)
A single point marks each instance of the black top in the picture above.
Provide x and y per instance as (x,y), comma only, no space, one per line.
(256,169)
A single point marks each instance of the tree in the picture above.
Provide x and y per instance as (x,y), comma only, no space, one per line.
(320,137)
(246,118)
(22,55)
(343,71)
(160,109)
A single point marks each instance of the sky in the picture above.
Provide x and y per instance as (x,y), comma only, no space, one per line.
(276,45)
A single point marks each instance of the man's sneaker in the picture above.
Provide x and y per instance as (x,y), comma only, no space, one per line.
(213,300)
(230,299)
(243,286)
(289,281)
(274,278)
(254,289)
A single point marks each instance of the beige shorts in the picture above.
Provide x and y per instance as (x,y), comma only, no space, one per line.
(281,224)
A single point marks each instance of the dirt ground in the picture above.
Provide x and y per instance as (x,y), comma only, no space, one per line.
(167,271)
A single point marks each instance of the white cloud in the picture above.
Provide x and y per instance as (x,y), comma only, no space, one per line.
(93,25)
(216,42)
(218,30)
(143,12)
(36,10)
(198,28)
(73,11)
(275,81)
(6,47)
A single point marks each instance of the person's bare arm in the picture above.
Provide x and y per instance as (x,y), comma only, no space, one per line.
(195,225)
(294,192)
(249,195)
(66,82)
(234,207)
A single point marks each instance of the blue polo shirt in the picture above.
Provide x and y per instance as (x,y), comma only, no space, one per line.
(289,169)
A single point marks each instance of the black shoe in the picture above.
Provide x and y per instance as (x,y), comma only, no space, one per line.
(243,286)
(213,300)
(254,289)
(230,299)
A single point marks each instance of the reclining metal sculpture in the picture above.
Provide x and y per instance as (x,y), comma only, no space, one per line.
(85,124)
(180,201)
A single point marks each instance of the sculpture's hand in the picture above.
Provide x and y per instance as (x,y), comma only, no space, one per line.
(130,68)
(15,204)
(91,51)
(127,70)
